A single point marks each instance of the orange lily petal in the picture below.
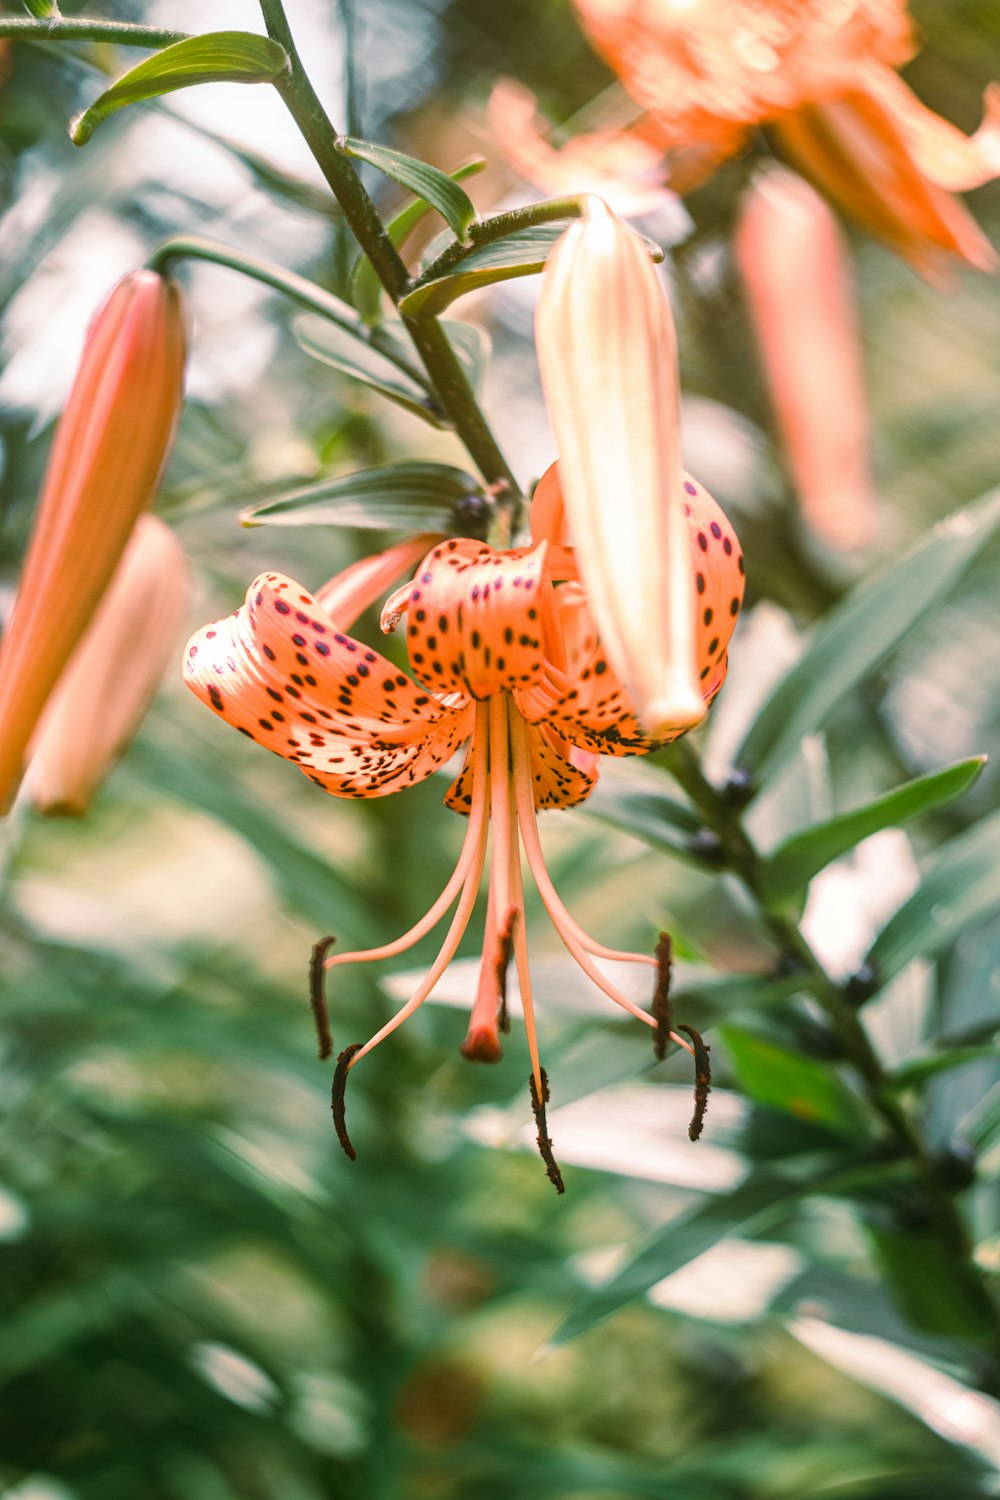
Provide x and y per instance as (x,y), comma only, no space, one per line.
(366,582)
(281,672)
(855,151)
(476,622)
(619,165)
(944,154)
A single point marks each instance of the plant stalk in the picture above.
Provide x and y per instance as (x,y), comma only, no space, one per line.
(430,340)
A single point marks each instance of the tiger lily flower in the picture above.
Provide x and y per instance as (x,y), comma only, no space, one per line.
(111,445)
(705,74)
(506,661)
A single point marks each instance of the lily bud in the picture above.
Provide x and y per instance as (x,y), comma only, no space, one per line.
(608,359)
(791,257)
(110,447)
(102,697)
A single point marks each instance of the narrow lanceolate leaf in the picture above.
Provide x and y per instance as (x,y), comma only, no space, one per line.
(790,868)
(396,497)
(366,289)
(680,1242)
(216,57)
(429,183)
(335,346)
(960,886)
(523,253)
(801,1086)
(662,822)
(861,632)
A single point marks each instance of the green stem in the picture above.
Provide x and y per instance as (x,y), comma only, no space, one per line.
(119,32)
(741,857)
(431,342)
(298,288)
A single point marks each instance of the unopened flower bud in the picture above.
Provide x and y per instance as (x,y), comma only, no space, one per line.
(102,697)
(110,447)
(608,358)
(791,257)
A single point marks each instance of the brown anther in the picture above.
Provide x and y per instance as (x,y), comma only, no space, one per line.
(702,1081)
(544,1141)
(337,1104)
(317,995)
(661,997)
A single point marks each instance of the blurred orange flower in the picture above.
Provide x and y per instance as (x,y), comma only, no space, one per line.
(111,444)
(820,75)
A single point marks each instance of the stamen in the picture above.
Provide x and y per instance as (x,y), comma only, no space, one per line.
(538,1103)
(572,935)
(395,608)
(337,1103)
(661,997)
(473,834)
(317,997)
(702,1081)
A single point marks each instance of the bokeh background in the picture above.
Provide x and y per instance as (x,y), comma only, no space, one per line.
(201,1297)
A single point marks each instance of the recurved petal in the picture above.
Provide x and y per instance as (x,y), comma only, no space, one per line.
(281,672)
(475,619)
(359,586)
(946,155)
(618,164)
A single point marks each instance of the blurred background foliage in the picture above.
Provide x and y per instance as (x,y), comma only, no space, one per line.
(201,1297)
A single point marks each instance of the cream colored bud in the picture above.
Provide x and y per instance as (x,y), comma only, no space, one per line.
(608,358)
(102,696)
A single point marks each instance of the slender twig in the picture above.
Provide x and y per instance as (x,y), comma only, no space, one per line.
(120,33)
(451,386)
(497,227)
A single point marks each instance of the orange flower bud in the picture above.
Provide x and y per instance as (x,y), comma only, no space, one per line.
(608,359)
(109,450)
(101,698)
(791,257)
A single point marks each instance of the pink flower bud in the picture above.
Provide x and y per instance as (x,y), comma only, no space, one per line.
(109,450)
(102,697)
(793,264)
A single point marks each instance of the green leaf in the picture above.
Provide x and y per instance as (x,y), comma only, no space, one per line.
(661,821)
(523,253)
(856,636)
(678,1242)
(352,355)
(216,57)
(366,289)
(791,867)
(798,1085)
(396,497)
(942,1061)
(959,887)
(472,348)
(433,186)
(934,1290)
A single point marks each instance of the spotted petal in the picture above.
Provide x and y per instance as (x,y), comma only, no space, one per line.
(281,672)
(476,623)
